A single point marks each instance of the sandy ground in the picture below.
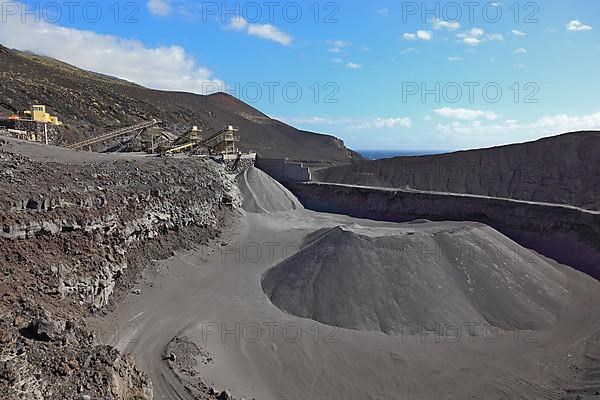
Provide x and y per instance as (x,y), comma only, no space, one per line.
(44,153)
(215,297)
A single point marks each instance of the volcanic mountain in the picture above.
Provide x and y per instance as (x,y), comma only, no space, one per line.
(90,103)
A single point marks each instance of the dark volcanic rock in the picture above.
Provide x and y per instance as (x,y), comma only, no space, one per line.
(561,169)
(45,330)
(75,237)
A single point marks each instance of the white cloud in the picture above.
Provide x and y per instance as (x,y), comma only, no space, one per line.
(337,60)
(384,12)
(263,31)
(351,123)
(455,58)
(476,36)
(518,33)
(577,26)
(420,34)
(307,120)
(336,46)
(465,113)
(470,130)
(382,123)
(569,123)
(472,41)
(509,129)
(472,37)
(269,32)
(424,35)
(352,65)
(159,7)
(476,32)
(237,24)
(165,67)
(521,51)
(450,25)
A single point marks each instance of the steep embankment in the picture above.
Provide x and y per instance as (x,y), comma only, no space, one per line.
(561,169)
(76,230)
(263,194)
(90,103)
(418,277)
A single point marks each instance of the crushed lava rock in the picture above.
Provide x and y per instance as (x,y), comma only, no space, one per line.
(184,357)
(75,238)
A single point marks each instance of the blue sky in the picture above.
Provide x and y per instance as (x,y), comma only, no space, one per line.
(361,67)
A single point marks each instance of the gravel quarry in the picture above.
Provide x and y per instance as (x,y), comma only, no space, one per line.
(296,304)
(317,205)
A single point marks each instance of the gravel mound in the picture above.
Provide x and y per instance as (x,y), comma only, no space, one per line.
(263,194)
(419,277)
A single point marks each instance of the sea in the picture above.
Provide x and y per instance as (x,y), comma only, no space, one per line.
(380,154)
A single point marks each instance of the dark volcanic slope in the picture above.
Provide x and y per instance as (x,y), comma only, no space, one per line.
(89,103)
(561,169)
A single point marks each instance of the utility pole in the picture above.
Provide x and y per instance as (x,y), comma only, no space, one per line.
(46,133)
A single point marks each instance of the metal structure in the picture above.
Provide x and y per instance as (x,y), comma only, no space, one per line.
(113,134)
(221,142)
(183,147)
(193,135)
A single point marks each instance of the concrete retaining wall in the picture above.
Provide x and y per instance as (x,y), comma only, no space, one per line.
(284,170)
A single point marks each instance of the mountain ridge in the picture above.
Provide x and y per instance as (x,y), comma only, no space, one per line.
(90,103)
(559,169)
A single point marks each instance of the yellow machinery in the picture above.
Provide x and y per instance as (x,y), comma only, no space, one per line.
(38,114)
